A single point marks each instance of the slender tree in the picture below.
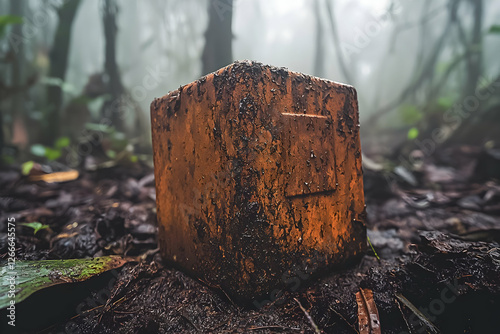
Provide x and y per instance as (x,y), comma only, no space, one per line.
(59,55)
(473,48)
(113,107)
(319,57)
(218,36)
(336,41)
(426,71)
(17,77)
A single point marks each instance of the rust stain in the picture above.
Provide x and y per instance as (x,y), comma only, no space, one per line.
(258,169)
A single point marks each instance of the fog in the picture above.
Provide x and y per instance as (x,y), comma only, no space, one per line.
(382,48)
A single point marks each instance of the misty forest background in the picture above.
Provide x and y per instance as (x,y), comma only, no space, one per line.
(77,77)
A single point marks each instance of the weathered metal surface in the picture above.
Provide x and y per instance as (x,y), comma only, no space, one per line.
(258,178)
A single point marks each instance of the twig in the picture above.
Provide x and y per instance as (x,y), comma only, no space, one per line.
(308,316)
(417,312)
(273,327)
(336,40)
(427,69)
(404,318)
(343,318)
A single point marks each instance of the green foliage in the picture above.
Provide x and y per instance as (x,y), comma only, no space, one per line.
(410,114)
(373,249)
(27,167)
(7,159)
(51,153)
(36,226)
(442,66)
(494,29)
(111,154)
(62,142)
(99,127)
(7,20)
(118,140)
(65,87)
(412,133)
(445,103)
(33,276)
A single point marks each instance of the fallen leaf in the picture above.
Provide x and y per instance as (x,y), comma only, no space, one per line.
(32,276)
(65,176)
(368,318)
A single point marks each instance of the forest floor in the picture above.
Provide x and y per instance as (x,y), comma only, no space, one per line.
(436,231)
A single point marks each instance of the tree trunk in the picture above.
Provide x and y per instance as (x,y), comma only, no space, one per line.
(319,59)
(1,133)
(113,108)
(59,55)
(336,42)
(476,128)
(218,36)
(17,78)
(474,52)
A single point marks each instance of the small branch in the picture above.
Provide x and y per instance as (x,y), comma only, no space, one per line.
(343,318)
(308,316)
(336,41)
(404,318)
(427,70)
(418,313)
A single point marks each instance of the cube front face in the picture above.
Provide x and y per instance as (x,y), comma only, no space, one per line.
(258,177)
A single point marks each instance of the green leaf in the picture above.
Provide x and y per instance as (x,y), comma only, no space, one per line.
(410,114)
(412,133)
(6,20)
(36,226)
(10,19)
(52,154)
(32,276)
(134,158)
(99,127)
(494,29)
(58,82)
(27,167)
(7,159)
(445,102)
(62,142)
(111,154)
(38,150)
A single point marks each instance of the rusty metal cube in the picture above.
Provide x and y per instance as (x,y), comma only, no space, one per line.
(258,178)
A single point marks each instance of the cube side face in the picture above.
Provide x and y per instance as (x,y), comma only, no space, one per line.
(258,177)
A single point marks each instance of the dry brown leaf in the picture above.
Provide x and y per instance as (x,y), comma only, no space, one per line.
(368,318)
(65,176)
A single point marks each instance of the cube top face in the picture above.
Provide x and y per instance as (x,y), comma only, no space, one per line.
(258,175)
